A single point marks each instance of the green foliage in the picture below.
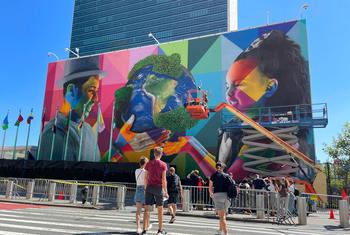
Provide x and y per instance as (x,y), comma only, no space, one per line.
(122,97)
(176,120)
(163,64)
(339,152)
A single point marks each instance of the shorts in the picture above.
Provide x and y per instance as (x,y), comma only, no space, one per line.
(173,197)
(154,193)
(221,201)
(140,194)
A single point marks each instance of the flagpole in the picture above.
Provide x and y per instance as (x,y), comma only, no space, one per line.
(28,134)
(3,143)
(111,134)
(97,129)
(3,140)
(14,147)
(67,136)
(81,133)
(41,130)
(53,135)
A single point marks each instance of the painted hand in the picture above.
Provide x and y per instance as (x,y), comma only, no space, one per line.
(271,87)
(225,148)
(72,95)
(128,140)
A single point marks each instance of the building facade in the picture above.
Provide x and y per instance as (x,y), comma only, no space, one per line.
(108,25)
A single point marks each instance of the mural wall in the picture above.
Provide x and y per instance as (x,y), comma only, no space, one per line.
(144,90)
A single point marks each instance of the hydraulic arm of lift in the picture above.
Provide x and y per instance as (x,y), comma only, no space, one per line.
(287,147)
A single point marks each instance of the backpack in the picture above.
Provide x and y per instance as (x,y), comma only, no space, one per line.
(231,186)
(172,183)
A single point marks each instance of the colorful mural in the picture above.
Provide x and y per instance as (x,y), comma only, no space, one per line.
(147,88)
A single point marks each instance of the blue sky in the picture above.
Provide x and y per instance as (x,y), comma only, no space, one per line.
(30,29)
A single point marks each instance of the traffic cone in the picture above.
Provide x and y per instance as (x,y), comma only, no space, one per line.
(60,196)
(331,214)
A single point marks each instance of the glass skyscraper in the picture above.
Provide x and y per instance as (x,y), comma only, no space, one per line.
(108,25)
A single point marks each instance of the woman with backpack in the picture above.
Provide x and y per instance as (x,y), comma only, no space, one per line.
(218,192)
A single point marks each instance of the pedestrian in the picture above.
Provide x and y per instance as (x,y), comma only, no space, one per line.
(196,182)
(218,192)
(156,189)
(244,195)
(272,188)
(282,188)
(258,183)
(174,188)
(84,193)
(140,192)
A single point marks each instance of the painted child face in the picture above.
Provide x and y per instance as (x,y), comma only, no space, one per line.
(247,85)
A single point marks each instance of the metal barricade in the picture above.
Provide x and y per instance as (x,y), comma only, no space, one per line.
(41,189)
(321,203)
(3,184)
(20,187)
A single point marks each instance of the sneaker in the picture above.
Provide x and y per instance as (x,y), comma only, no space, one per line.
(172,220)
(160,232)
(150,226)
(219,232)
(144,232)
(138,231)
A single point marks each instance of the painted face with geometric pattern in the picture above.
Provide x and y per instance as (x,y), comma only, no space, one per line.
(247,86)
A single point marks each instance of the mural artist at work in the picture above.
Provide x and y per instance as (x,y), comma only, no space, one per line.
(80,87)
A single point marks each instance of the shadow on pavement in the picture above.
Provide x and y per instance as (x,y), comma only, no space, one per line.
(335,228)
(105,233)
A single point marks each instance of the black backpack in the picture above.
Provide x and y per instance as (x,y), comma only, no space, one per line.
(231,186)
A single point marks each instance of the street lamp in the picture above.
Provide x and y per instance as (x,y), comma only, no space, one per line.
(53,54)
(76,53)
(152,36)
(303,8)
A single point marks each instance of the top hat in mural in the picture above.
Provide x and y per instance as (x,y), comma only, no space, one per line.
(82,67)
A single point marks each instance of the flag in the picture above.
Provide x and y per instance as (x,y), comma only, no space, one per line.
(30,118)
(101,124)
(43,119)
(5,123)
(68,121)
(19,120)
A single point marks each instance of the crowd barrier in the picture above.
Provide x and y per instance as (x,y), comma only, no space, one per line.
(98,193)
(260,203)
(322,203)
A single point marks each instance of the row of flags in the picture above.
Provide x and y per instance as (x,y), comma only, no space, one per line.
(5,123)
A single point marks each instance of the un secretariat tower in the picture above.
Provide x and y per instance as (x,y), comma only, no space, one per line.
(108,25)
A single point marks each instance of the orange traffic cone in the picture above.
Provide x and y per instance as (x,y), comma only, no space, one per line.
(60,196)
(331,214)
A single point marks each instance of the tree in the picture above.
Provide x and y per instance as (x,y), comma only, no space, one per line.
(339,152)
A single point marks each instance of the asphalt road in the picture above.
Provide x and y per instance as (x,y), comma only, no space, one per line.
(18,219)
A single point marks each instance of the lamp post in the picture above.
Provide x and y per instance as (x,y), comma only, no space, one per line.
(303,8)
(76,53)
(53,54)
(154,38)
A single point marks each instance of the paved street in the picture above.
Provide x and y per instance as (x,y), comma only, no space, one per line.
(28,219)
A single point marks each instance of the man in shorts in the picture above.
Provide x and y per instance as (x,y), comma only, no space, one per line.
(174,188)
(156,188)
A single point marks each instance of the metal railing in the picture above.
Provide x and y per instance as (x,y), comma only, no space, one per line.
(65,191)
(322,203)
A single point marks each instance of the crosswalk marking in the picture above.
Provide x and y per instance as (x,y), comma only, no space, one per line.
(74,220)
(190,222)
